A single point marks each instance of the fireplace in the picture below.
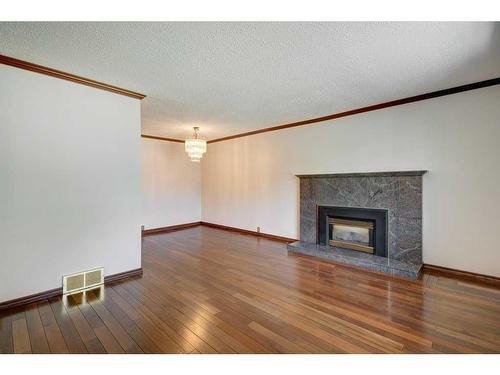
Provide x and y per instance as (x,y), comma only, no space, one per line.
(370,220)
(358,229)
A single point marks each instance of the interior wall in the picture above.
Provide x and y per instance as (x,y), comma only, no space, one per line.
(171,185)
(250,181)
(69,181)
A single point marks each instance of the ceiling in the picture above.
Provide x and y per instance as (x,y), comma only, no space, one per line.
(230,78)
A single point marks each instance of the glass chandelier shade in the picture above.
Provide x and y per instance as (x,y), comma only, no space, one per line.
(195,147)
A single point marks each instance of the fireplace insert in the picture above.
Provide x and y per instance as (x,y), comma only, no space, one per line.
(359,229)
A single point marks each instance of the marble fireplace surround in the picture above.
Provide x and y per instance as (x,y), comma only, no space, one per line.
(400,193)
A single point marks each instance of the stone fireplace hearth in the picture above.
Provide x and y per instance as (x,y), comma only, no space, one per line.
(370,220)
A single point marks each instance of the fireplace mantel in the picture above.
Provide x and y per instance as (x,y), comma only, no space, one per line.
(364,174)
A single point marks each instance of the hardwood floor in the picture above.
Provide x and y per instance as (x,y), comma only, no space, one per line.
(206,290)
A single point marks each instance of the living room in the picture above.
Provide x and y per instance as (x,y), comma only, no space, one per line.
(250,187)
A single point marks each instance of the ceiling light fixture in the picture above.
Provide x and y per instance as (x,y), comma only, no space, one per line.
(195,147)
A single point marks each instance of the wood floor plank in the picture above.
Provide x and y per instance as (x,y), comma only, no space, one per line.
(71,337)
(312,320)
(145,321)
(164,316)
(87,334)
(146,344)
(55,339)
(102,332)
(6,344)
(123,338)
(206,290)
(198,320)
(403,300)
(36,331)
(283,344)
(20,335)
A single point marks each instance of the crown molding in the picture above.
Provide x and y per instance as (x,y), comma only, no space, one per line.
(374,107)
(21,64)
(162,138)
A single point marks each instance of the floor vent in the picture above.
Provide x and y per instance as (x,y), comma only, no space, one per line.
(83,280)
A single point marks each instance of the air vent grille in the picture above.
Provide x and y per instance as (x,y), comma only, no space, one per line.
(83,280)
(93,278)
(75,282)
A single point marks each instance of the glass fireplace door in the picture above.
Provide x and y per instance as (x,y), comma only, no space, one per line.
(352,234)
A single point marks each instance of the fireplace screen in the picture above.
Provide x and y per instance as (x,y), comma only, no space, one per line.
(352,234)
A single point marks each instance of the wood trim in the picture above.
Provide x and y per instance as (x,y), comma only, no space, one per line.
(21,64)
(32,298)
(37,297)
(375,107)
(364,174)
(162,138)
(171,228)
(465,275)
(246,231)
(122,275)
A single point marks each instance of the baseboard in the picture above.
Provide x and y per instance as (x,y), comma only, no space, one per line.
(37,297)
(251,232)
(171,228)
(466,275)
(32,298)
(122,275)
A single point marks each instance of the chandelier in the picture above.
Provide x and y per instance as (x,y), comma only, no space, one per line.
(195,147)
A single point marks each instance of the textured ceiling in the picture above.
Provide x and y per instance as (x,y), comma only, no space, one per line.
(230,78)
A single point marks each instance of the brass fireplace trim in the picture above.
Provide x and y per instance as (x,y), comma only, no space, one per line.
(352,223)
(351,245)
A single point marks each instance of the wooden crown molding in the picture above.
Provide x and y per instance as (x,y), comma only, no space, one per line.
(21,64)
(162,138)
(375,107)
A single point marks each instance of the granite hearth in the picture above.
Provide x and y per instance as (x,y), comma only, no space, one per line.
(398,193)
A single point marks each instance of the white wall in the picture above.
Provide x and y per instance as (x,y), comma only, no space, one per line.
(249,182)
(69,181)
(171,185)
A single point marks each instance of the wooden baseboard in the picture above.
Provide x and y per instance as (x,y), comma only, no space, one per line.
(149,232)
(465,275)
(37,297)
(122,275)
(251,232)
(32,298)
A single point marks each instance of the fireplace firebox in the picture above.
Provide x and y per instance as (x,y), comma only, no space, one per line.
(359,229)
